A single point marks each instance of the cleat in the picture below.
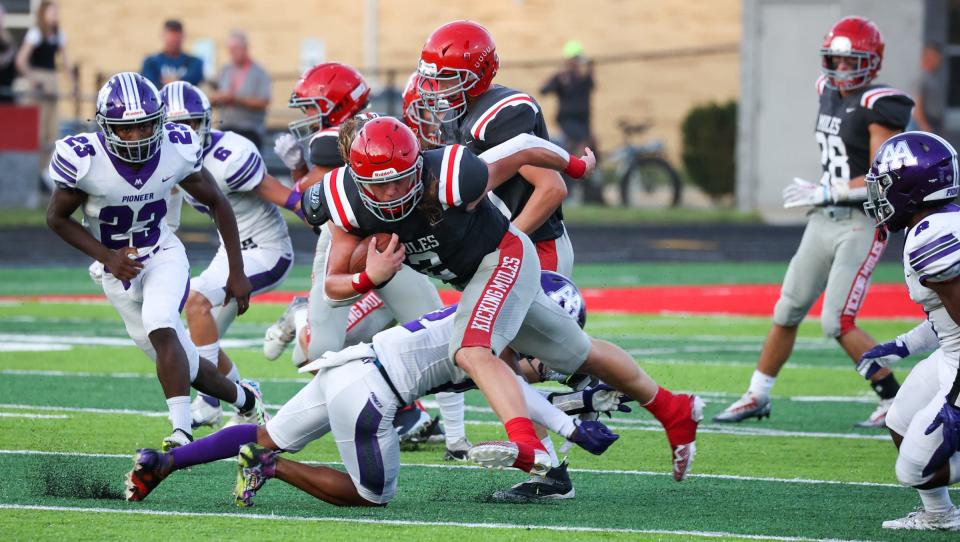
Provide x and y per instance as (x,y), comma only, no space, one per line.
(282,333)
(878,418)
(554,485)
(146,475)
(410,422)
(205,410)
(921,520)
(255,465)
(502,454)
(258,414)
(682,435)
(593,436)
(178,438)
(433,433)
(458,451)
(748,406)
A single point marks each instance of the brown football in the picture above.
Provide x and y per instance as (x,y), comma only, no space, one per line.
(358,260)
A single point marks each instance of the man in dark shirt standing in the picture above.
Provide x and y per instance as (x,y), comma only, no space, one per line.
(172,64)
(573,87)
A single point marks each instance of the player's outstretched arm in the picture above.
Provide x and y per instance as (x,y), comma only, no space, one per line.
(272,190)
(63,203)
(204,189)
(505,160)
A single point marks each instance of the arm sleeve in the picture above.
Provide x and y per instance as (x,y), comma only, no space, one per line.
(921,339)
(514,115)
(32,37)
(244,169)
(936,258)
(66,167)
(463,177)
(891,110)
(324,151)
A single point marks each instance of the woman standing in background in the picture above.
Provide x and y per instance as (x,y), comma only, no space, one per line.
(7,70)
(37,61)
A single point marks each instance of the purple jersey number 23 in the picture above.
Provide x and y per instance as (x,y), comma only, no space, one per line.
(116,222)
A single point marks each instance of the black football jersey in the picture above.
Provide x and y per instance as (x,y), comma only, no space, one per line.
(443,239)
(324,151)
(842,129)
(496,116)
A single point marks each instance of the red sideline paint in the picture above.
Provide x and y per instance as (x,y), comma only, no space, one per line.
(883,300)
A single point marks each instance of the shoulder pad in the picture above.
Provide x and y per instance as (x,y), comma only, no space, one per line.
(870,98)
(512,114)
(887,106)
(244,167)
(933,248)
(462,178)
(338,204)
(821,84)
(324,150)
(71,159)
(186,141)
(314,206)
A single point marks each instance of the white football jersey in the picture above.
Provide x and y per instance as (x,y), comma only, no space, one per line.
(416,355)
(126,206)
(931,252)
(236,165)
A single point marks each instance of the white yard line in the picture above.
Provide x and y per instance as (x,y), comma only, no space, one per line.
(34,416)
(405,523)
(78,340)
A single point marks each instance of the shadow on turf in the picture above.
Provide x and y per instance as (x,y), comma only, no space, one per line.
(75,478)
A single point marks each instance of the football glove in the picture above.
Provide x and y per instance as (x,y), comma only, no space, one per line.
(881,356)
(949,418)
(599,398)
(803,193)
(593,436)
(287,148)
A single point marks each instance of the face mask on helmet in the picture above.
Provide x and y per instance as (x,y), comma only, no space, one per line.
(186,104)
(131,116)
(314,111)
(391,195)
(444,91)
(425,123)
(848,70)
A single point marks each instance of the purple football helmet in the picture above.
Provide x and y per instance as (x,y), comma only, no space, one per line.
(911,171)
(186,103)
(128,99)
(562,290)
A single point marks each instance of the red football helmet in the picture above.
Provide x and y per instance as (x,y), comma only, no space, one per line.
(859,40)
(458,60)
(420,119)
(386,151)
(328,94)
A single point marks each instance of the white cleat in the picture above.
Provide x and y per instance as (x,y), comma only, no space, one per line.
(282,333)
(877,419)
(178,438)
(257,415)
(502,454)
(204,412)
(748,406)
(921,520)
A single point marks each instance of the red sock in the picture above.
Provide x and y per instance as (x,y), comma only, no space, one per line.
(420,405)
(520,431)
(668,408)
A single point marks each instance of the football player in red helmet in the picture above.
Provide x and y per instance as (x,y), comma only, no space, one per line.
(457,66)
(418,116)
(840,247)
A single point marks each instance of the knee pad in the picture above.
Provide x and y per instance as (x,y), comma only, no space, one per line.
(787,312)
(896,421)
(910,473)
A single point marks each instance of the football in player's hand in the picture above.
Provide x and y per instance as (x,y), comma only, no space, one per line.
(358,260)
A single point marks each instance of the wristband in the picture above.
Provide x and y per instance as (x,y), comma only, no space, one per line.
(575,167)
(292,200)
(361,283)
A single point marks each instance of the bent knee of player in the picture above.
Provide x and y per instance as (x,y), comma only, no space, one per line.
(789,312)
(468,357)
(197,306)
(910,472)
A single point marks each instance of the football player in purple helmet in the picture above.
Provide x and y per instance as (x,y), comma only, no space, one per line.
(912,183)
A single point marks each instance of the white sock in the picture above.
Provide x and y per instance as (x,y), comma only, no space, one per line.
(451,412)
(299,356)
(180,417)
(241,396)
(300,318)
(544,413)
(234,374)
(936,500)
(548,444)
(210,352)
(761,384)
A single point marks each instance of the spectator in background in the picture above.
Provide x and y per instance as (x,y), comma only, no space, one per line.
(172,64)
(573,87)
(38,62)
(8,70)
(243,92)
(930,98)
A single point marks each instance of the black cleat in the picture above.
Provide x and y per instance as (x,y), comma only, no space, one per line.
(554,485)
